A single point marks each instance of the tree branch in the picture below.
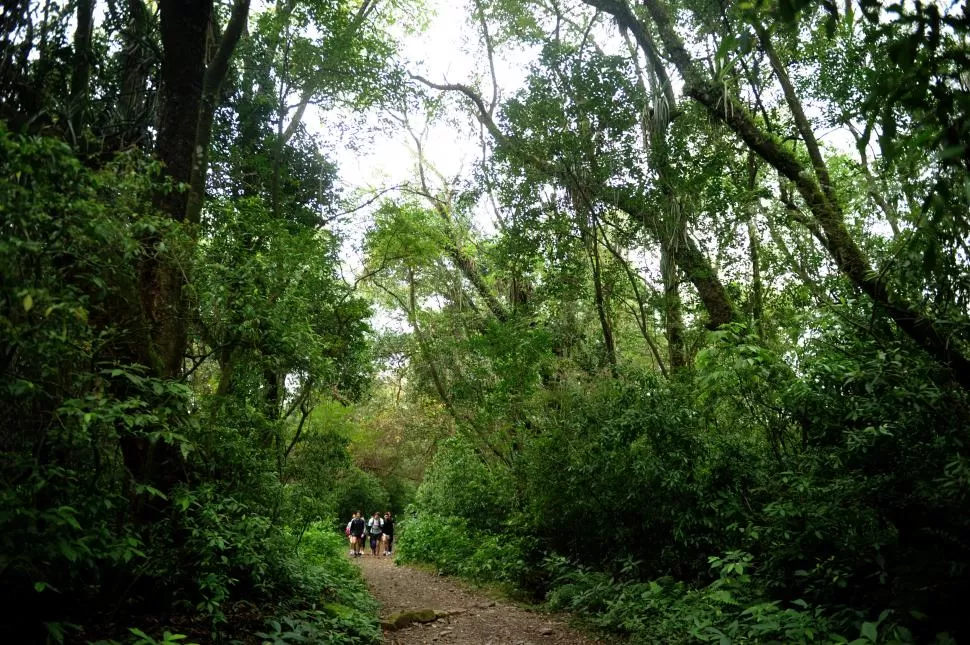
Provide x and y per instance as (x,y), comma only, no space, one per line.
(848,256)
(621,11)
(795,105)
(688,256)
(215,73)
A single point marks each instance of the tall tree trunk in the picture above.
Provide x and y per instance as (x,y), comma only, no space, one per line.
(602,304)
(136,64)
(757,290)
(212,80)
(754,247)
(673,314)
(696,266)
(228,359)
(654,135)
(186,107)
(640,312)
(278,141)
(586,221)
(81,67)
(187,103)
(184,29)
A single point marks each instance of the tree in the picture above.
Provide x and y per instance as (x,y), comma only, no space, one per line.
(811,178)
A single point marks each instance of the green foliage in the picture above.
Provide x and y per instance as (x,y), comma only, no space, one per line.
(664,489)
(168,638)
(816,483)
(83,536)
(797,475)
(231,546)
(731,609)
(67,261)
(357,490)
(343,612)
(456,548)
(161,452)
(459,484)
(405,233)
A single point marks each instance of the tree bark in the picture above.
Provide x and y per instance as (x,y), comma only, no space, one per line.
(602,303)
(186,107)
(819,197)
(640,313)
(757,289)
(136,63)
(673,313)
(586,219)
(214,75)
(754,248)
(81,67)
(184,30)
(691,260)
(184,27)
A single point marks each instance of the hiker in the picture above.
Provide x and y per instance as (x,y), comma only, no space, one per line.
(357,527)
(388,529)
(374,528)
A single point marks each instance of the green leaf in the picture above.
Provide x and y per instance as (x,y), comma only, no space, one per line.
(869,632)
(28,302)
(951,152)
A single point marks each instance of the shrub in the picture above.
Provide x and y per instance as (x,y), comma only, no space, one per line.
(454,548)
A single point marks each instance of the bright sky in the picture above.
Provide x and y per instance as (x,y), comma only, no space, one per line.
(387,155)
(373,153)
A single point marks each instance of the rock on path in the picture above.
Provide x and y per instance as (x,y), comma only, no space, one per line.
(432,610)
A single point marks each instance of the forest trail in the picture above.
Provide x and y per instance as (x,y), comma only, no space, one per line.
(463,616)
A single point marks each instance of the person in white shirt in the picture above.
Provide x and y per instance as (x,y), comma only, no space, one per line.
(375,531)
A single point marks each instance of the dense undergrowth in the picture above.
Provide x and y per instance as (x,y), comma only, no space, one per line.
(748,503)
(221,536)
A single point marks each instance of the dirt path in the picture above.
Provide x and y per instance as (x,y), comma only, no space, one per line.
(461,616)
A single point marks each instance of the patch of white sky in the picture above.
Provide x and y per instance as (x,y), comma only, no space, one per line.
(376,153)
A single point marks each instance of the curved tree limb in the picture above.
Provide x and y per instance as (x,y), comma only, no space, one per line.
(696,266)
(215,73)
(826,210)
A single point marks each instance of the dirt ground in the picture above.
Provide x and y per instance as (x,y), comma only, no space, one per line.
(472,618)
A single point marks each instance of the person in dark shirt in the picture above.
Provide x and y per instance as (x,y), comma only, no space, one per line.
(388,533)
(357,527)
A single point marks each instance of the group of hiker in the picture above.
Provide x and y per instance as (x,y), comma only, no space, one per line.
(380,531)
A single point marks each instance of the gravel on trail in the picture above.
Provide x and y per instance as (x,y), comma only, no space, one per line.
(443,612)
